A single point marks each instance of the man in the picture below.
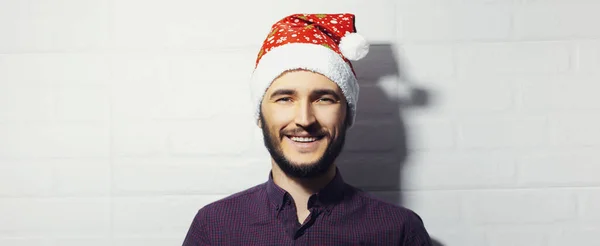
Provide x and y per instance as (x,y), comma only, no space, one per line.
(305,94)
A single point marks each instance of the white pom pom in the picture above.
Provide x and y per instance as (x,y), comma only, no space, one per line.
(354,46)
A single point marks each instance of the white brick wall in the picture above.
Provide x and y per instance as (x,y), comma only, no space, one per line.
(119,119)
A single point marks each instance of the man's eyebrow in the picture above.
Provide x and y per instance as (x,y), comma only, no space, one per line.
(321,92)
(282,92)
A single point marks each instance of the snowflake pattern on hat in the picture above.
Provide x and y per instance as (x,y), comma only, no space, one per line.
(322,29)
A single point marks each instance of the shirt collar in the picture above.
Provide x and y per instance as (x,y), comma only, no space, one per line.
(332,193)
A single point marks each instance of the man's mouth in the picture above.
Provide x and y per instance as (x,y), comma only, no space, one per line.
(304,143)
(304,139)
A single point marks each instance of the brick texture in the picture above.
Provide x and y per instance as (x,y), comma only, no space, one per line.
(120,119)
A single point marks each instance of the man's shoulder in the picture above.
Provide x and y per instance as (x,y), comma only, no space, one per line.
(392,213)
(213,218)
(238,200)
(396,219)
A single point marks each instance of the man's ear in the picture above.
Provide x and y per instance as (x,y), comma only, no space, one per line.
(348,115)
(259,122)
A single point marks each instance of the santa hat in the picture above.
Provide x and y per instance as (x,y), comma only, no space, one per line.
(322,43)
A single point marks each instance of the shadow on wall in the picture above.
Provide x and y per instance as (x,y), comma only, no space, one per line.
(376,146)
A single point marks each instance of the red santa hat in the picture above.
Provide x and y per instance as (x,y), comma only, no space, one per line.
(322,43)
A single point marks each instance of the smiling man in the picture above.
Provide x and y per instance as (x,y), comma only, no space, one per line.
(305,94)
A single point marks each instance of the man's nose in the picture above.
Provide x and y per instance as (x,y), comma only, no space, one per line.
(304,114)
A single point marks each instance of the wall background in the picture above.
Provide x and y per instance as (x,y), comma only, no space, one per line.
(120,119)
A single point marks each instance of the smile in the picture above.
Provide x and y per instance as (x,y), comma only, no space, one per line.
(304,139)
(305,144)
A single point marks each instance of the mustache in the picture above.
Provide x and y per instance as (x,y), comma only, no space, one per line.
(298,131)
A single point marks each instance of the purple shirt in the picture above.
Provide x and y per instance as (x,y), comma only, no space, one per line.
(339,215)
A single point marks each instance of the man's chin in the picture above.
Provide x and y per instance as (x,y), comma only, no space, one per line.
(302,167)
(302,162)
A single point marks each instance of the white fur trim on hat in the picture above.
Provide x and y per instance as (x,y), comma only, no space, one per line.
(312,57)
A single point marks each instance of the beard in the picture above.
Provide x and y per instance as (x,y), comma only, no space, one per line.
(305,170)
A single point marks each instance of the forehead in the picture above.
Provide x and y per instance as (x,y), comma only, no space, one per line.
(302,80)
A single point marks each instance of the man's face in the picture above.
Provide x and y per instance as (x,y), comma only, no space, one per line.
(303,118)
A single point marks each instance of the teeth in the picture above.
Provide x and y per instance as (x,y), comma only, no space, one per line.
(303,139)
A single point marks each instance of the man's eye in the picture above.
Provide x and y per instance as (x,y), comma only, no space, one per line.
(284,99)
(326,99)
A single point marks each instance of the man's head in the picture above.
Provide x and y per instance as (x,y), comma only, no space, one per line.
(305,90)
(304,117)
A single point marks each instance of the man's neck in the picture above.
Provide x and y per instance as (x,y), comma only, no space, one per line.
(301,189)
